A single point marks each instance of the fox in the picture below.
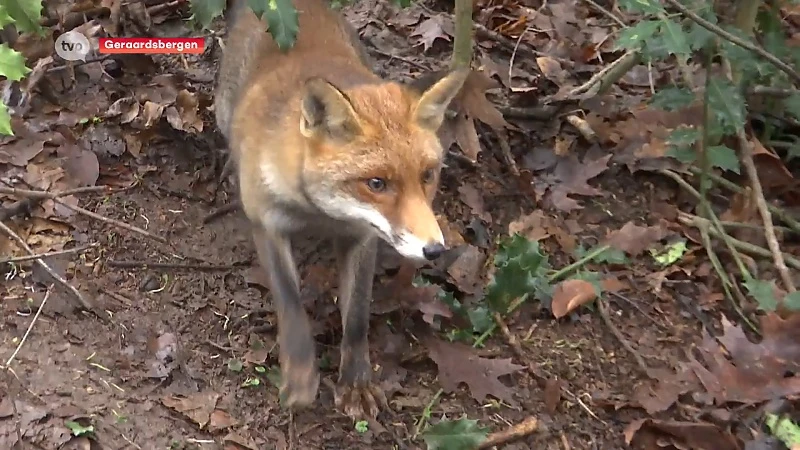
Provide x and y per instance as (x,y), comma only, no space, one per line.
(323,146)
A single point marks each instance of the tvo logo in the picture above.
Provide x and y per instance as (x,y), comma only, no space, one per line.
(73,46)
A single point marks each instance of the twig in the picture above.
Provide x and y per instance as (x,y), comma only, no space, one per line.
(30,327)
(607,13)
(603,308)
(769,230)
(221,211)
(176,266)
(17,259)
(518,431)
(544,112)
(772,91)
(56,198)
(786,68)
(783,215)
(603,80)
(83,303)
(696,221)
(391,56)
(505,151)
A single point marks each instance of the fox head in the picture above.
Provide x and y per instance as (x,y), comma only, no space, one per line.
(372,157)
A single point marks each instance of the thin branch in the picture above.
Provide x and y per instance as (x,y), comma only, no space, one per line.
(10,233)
(786,68)
(783,215)
(603,308)
(176,266)
(30,327)
(55,196)
(603,80)
(17,259)
(516,432)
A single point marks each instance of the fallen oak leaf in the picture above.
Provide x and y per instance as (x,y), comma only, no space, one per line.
(458,363)
(428,31)
(197,407)
(633,239)
(568,295)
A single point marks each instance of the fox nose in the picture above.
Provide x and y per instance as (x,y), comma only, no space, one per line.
(433,250)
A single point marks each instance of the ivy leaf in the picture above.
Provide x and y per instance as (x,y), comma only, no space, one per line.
(205,11)
(792,105)
(683,136)
(461,434)
(723,157)
(12,64)
(642,6)
(684,154)
(5,18)
(281,18)
(633,37)
(26,15)
(727,103)
(5,120)
(674,38)
(672,98)
(520,267)
(792,301)
(763,292)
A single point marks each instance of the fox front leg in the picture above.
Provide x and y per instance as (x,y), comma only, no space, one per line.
(356,396)
(299,373)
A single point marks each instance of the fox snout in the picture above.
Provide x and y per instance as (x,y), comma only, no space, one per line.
(420,237)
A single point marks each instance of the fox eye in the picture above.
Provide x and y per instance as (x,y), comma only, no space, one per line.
(427,176)
(377,184)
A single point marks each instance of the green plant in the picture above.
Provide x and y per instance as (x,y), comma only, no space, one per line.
(24,15)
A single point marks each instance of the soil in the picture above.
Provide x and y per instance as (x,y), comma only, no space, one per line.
(169,333)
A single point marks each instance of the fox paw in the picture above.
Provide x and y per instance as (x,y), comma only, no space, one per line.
(360,402)
(299,387)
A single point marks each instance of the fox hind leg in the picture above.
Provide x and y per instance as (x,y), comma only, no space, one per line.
(355,395)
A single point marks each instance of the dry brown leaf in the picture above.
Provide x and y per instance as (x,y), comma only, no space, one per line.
(534,226)
(472,100)
(197,407)
(467,268)
(634,239)
(552,70)
(220,420)
(570,177)
(707,436)
(458,363)
(429,30)
(568,295)
(473,198)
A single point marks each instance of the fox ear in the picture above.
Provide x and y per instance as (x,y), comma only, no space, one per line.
(326,111)
(430,109)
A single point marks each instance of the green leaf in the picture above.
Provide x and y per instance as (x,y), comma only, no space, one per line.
(792,301)
(5,18)
(684,154)
(672,98)
(205,11)
(274,376)
(683,136)
(461,434)
(723,157)
(699,37)
(792,105)
(5,120)
(281,18)
(670,254)
(362,426)
(480,318)
(78,429)
(251,382)
(12,63)
(674,38)
(520,270)
(26,15)
(235,365)
(784,429)
(642,6)
(763,292)
(633,37)
(402,3)
(727,104)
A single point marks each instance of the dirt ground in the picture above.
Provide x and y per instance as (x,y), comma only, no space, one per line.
(156,368)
